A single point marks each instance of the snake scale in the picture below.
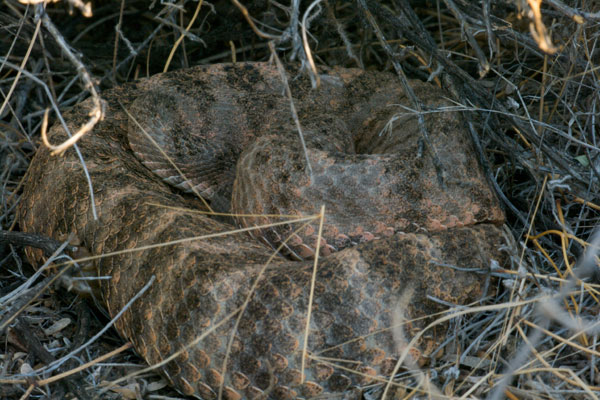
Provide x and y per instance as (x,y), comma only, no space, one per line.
(399,228)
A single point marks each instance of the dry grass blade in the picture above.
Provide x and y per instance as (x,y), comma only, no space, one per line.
(288,93)
(312,291)
(196,12)
(98,111)
(84,366)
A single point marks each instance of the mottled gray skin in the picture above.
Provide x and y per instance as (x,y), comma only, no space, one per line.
(200,282)
(371,180)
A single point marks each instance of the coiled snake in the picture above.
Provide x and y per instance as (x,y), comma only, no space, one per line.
(401,227)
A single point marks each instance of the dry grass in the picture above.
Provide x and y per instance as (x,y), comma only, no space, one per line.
(523,72)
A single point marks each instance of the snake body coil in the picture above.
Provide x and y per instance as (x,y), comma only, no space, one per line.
(383,195)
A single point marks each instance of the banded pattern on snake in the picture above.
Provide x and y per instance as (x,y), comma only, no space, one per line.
(399,228)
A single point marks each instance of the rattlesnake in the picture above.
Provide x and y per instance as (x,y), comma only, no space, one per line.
(401,245)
